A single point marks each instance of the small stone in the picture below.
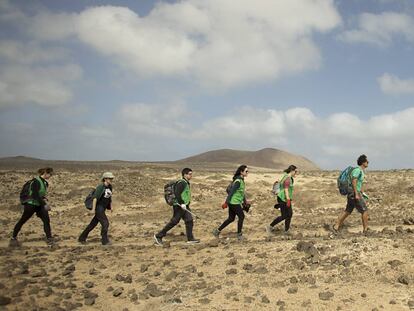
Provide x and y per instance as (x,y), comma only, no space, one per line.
(411,304)
(89,301)
(251,250)
(325,295)
(393,302)
(89,284)
(117,292)
(144,268)
(403,279)
(364,295)
(265,299)
(231,271)
(204,301)
(110,289)
(4,300)
(232,262)
(292,290)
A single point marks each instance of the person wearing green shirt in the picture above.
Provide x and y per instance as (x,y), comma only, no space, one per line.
(101,202)
(284,199)
(235,201)
(355,198)
(181,209)
(36,203)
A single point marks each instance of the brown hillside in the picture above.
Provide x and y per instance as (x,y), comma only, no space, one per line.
(268,158)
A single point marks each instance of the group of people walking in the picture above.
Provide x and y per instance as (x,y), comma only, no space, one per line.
(236,204)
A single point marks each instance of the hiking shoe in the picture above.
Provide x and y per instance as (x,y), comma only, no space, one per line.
(193,241)
(157,241)
(240,237)
(107,243)
(335,230)
(270,229)
(216,232)
(50,241)
(82,241)
(14,242)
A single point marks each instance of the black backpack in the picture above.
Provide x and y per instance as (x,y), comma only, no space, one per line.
(169,192)
(89,200)
(25,192)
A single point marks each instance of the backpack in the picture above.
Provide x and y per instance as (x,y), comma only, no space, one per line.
(89,200)
(169,192)
(276,187)
(344,181)
(25,192)
(228,188)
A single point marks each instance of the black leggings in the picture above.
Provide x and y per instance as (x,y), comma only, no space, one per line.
(178,214)
(28,212)
(233,211)
(100,217)
(287,213)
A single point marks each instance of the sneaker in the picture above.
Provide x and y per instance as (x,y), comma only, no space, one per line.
(82,241)
(50,241)
(270,229)
(216,232)
(335,230)
(193,241)
(157,241)
(107,243)
(14,242)
(240,236)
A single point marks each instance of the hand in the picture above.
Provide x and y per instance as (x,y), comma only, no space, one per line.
(357,197)
(289,203)
(224,205)
(47,207)
(183,206)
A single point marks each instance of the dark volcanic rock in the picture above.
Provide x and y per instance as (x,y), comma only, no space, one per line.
(117,292)
(4,300)
(325,295)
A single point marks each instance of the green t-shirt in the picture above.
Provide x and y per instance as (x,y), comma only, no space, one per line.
(359,175)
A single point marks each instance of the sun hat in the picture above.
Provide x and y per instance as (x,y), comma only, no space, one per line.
(108,175)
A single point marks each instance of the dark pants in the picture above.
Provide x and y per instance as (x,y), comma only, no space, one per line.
(178,214)
(233,211)
(28,212)
(287,213)
(100,217)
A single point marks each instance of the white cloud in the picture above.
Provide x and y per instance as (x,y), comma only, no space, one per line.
(393,85)
(220,43)
(45,85)
(381,29)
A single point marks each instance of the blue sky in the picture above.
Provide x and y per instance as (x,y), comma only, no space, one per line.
(162,80)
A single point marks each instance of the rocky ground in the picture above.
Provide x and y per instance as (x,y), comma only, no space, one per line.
(311,269)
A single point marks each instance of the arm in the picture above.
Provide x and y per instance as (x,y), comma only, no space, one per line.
(178,190)
(35,193)
(286,186)
(234,188)
(98,193)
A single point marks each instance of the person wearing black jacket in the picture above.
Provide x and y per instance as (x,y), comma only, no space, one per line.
(181,209)
(36,203)
(102,200)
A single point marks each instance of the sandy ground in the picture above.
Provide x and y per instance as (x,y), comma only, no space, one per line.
(309,270)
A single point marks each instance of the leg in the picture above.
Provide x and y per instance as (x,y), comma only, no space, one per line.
(240,215)
(230,219)
(364,217)
(189,223)
(178,213)
(28,212)
(341,219)
(350,205)
(103,220)
(289,213)
(44,216)
(88,229)
(283,211)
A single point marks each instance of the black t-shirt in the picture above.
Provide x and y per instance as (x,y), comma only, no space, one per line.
(106,197)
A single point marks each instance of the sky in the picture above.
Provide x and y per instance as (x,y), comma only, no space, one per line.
(163,80)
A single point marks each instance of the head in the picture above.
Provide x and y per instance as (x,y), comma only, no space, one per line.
(363,161)
(187,173)
(291,170)
(46,172)
(107,178)
(242,170)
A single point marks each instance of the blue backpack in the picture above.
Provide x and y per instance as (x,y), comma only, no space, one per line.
(344,181)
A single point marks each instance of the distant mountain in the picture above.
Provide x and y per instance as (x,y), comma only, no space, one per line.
(268,158)
(21,159)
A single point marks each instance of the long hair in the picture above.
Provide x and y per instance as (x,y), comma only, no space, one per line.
(290,169)
(47,170)
(240,169)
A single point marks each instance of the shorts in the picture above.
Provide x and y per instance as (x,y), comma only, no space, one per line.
(358,204)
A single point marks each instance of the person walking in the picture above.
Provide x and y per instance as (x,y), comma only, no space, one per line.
(102,200)
(36,202)
(284,199)
(181,209)
(356,197)
(235,201)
